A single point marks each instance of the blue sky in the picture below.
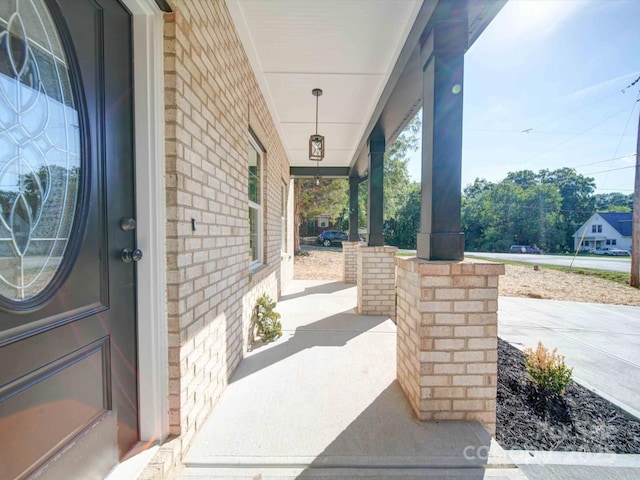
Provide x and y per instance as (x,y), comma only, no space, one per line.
(557,68)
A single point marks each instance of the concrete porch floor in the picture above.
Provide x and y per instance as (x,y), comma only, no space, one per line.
(323,402)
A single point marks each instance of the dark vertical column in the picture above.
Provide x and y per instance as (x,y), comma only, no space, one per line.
(353,208)
(376,194)
(440,236)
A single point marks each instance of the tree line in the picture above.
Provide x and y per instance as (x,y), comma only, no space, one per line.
(543,209)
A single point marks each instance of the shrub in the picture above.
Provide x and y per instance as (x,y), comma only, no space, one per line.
(547,370)
(266,319)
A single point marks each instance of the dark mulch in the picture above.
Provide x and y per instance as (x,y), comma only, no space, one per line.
(581,421)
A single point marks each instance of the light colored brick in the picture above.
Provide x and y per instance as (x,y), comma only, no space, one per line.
(468,331)
(450,318)
(449,344)
(468,380)
(483,294)
(438,357)
(448,392)
(434,381)
(475,368)
(469,306)
(435,306)
(450,294)
(468,357)
(483,343)
(481,392)
(448,369)
(468,405)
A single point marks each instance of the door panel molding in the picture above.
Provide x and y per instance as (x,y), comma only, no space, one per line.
(43,419)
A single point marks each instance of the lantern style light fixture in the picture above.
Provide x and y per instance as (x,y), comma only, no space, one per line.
(316,142)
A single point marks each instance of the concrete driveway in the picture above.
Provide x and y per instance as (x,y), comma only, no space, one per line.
(601,342)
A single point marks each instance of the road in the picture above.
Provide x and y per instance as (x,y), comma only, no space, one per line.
(612,264)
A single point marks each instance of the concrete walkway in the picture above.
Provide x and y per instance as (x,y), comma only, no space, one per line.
(323,402)
(602,343)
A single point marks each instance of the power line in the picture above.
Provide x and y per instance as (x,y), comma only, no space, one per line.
(546,132)
(576,136)
(603,161)
(626,124)
(611,170)
(574,111)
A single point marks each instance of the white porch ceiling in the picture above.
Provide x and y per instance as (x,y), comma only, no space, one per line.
(348,48)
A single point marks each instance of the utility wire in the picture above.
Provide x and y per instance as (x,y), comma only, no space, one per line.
(631,155)
(611,170)
(626,125)
(576,136)
(547,132)
(571,112)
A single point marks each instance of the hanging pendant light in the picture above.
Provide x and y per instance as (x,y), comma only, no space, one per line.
(316,142)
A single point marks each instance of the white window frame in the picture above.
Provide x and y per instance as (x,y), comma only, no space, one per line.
(259,209)
(283,217)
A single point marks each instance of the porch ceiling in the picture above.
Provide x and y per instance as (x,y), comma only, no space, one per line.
(356,51)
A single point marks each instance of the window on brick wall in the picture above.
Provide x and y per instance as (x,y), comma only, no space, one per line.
(283,217)
(256,231)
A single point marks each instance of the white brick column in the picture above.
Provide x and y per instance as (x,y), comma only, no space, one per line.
(447,338)
(377,281)
(350,252)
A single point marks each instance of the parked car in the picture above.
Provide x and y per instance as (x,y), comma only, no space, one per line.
(329,237)
(524,249)
(617,252)
(601,251)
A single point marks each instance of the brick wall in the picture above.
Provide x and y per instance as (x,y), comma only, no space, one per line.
(447,338)
(350,252)
(212,102)
(376,278)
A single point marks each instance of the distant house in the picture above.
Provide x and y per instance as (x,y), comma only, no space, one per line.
(314,227)
(606,230)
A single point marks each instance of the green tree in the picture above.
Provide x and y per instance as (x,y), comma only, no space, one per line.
(495,216)
(397,183)
(404,228)
(614,202)
(311,200)
(578,200)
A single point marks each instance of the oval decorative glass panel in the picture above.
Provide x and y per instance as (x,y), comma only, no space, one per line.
(40,151)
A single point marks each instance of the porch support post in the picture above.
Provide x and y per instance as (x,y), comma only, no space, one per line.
(376,193)
(350,248)
(353,208)
(440,236)
(447,338)
(377,280)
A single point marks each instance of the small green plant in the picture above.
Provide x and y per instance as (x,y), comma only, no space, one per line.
(266,319)
(547,370)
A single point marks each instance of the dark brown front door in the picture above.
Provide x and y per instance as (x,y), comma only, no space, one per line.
(68,348)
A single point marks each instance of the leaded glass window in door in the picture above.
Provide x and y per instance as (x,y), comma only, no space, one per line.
(40,151)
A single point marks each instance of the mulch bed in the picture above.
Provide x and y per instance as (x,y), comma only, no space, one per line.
(581,421)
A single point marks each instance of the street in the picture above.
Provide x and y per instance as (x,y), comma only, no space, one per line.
(612,264)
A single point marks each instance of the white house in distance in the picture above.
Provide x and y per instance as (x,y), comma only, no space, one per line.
(606,229)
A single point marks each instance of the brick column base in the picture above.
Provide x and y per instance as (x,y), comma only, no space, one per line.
(447,338)
(377,281)
(350,252)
